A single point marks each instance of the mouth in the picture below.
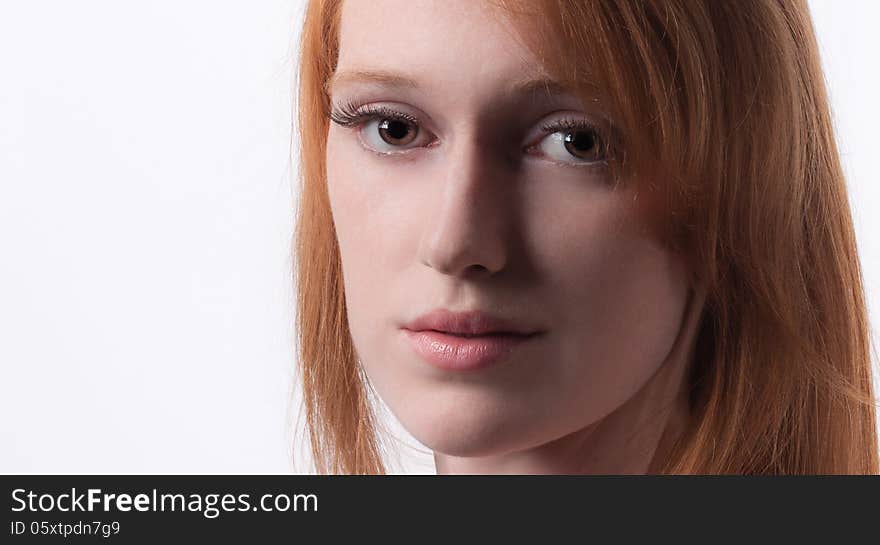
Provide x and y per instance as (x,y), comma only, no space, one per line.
(466,352)
(469,341)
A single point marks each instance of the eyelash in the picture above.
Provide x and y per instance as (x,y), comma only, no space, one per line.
(569,125)
(350,114)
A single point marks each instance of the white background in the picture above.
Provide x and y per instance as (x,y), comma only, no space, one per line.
(145,223)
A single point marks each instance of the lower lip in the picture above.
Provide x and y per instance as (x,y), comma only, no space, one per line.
(455,353)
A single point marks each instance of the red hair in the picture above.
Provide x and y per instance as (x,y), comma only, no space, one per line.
(724,104)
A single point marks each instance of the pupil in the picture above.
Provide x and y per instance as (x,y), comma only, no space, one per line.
(395,129)
(582,141)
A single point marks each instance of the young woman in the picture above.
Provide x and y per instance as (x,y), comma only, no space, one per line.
(577,237)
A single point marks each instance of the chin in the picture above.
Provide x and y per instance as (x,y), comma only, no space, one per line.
(468,429)
(465,445)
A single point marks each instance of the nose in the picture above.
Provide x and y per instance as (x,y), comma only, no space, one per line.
(466,230)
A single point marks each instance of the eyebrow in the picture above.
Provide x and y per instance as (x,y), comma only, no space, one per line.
(521,87)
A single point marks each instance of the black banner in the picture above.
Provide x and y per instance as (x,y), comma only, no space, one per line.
(288,508)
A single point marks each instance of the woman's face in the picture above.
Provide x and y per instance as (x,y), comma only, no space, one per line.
(459,200)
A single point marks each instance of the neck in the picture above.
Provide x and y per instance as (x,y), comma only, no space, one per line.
(637,438)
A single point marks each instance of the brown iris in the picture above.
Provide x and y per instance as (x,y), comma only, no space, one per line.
(396,132)
(583,144)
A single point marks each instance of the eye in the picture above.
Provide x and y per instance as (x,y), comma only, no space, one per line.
(389,131)
(573,141)
(382,129)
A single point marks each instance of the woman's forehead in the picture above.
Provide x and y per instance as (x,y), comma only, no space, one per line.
(442,42)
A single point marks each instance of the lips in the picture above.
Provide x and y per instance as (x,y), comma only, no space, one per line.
(470,323)
(466,341)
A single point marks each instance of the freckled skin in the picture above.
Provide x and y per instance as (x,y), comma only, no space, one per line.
(471,222)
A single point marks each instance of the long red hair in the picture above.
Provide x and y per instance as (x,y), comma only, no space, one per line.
(725,120)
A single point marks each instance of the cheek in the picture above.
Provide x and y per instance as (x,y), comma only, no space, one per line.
(368,200)
(368,219)
(619,298)
(347,187)
(351,206)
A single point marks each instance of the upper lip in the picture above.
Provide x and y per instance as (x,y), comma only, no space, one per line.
(473,322)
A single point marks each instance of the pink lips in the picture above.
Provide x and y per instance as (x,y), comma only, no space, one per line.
(466,341)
